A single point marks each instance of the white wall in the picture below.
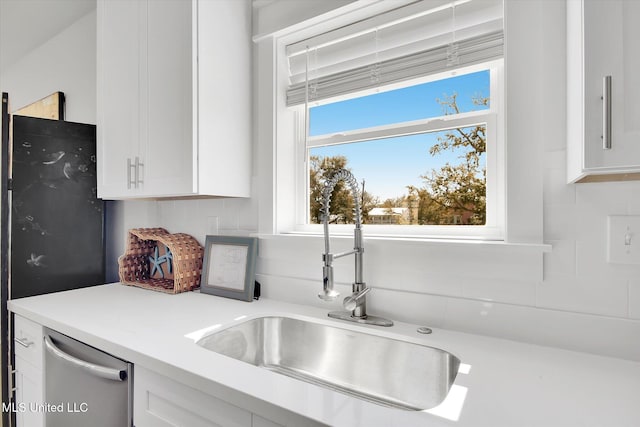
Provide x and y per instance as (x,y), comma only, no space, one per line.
(283,14)
(66,63)
(580,302)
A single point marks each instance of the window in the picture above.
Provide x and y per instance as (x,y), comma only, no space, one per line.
(420,131)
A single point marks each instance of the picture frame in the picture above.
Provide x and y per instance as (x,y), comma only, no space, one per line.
(229,267)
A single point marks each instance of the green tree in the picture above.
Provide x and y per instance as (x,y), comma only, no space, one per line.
(424,210)
(394,202)
(460,189)
(368,201)
(320,170)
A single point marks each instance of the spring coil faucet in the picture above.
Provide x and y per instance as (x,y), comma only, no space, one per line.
(356,302)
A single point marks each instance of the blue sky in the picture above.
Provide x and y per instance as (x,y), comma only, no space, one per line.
(389,165)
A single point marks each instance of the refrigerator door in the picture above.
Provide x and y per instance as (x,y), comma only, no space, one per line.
(57,221)
(85,386)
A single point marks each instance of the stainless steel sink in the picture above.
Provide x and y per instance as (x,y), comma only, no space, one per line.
(382,370)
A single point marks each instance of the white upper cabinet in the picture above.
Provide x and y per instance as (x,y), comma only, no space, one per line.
(603,90)
(174,98)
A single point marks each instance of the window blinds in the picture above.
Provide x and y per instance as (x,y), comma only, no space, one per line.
(417,40)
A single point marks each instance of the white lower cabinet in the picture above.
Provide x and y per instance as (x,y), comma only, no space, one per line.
(159,401)
(258,421)
(28,373)
(28,382)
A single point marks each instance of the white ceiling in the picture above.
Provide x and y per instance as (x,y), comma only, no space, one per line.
(27,24)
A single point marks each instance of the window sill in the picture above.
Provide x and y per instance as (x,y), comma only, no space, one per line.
(419,241)
(439,266)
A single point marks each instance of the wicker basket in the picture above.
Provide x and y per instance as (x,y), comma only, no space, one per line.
(186,252)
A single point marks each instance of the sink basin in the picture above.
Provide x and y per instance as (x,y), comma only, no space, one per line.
(378,369)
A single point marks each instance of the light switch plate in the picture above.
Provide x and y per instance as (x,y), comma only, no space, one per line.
(623,239)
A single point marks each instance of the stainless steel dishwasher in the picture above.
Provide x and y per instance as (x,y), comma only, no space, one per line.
(85,386)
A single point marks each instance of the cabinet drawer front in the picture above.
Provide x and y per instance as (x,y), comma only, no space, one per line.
(28,341)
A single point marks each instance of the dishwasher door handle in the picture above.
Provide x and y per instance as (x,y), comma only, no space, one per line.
(97,370)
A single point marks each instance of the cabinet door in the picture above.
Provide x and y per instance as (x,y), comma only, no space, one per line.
(160,401)
(224,97)
(28,394)
(120,30)
(28,372)
(611,35)
(258,421)
(169,154)
(156,99)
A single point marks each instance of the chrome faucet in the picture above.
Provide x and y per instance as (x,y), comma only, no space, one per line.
(355,304)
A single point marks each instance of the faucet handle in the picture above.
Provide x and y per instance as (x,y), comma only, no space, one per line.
(351,302)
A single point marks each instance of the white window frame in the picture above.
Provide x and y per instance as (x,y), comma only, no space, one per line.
(519,255)
(493,230)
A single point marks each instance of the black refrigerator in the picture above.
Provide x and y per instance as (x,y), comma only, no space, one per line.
(52,220)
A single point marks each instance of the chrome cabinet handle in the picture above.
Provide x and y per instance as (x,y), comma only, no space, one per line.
(129,166)
(139,165)
(24,342)
(97,370)
(136,165)
(606,113)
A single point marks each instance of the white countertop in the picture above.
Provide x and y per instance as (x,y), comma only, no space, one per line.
(508,384)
